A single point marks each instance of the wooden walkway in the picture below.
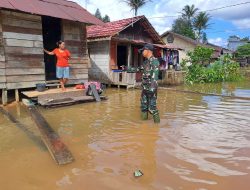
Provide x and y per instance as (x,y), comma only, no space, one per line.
(35,94)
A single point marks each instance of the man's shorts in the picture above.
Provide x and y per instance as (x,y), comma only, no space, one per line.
(62,72)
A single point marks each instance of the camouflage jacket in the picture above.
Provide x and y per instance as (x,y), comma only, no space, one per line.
(150,74)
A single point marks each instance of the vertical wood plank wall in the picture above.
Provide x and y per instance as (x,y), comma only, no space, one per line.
(74,35)
(23,46)
(2,58)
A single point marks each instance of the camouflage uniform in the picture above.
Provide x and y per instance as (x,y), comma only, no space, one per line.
(150,72)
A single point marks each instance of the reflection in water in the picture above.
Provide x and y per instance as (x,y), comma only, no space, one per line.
(203,142)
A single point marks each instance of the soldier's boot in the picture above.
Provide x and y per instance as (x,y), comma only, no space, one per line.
(144,115)
(156,118)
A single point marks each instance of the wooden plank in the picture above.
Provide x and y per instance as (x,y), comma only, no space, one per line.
(2,65)
(78,76)
(34,93)
(18,43)
(25,63)
(23,50)
(21,23)
(2,79)
(79,66)
(78,60)
(20,85)
(24,71)
(36,139)
(18,15)
(2,85)
(22,30)
(78,71)
(25,78)
(58,150)
(22,36)
(2,72)
(20,57)
(2,58)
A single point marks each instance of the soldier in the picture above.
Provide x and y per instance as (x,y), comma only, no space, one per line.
(150,72)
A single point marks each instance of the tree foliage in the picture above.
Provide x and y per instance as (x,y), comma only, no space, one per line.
(192,23)
(201,71)
(98,15)
(243,51)
(135,4)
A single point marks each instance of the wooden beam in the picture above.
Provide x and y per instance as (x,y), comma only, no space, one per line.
(17,95)
(4,97)
(53,142)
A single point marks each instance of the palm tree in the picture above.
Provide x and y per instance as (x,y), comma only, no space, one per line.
(136,4)
(201,22)
(189,12)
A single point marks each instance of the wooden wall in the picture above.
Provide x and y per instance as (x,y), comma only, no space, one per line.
(23,47)
(2,58)
(74,35)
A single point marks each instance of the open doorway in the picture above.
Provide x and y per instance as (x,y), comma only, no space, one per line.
(51,35)
(122,56)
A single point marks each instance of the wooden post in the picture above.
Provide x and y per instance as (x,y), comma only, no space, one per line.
(4,97)
(17,95)
(129,55)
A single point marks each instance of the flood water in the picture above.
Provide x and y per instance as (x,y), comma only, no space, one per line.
(202,143)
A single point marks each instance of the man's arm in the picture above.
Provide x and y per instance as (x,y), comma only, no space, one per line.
(155,69)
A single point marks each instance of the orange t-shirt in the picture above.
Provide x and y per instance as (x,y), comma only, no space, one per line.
(62,57)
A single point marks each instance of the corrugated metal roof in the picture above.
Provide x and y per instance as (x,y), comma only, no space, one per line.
(55,8)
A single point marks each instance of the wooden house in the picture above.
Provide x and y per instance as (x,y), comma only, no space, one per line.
(26,27)
(115,45)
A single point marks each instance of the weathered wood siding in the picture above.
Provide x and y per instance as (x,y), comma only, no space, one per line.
(100,60)
(74,35)
(23,47)
(2,58)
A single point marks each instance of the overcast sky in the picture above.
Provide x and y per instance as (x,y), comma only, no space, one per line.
(224,22)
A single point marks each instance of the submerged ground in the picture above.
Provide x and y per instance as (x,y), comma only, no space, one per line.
(203,142)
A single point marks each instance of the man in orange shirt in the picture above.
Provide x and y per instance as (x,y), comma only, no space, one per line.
(62,66)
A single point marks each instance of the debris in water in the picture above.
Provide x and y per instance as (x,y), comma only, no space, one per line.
(138,173)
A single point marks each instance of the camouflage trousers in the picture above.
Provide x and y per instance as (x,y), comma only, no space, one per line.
(148,102)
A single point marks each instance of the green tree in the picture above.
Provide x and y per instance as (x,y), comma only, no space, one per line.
(189,13)
(201,55)
(182,26)
(106,18)
(204,38)
(136,4)
(201,23)
(98,14)
(243,51)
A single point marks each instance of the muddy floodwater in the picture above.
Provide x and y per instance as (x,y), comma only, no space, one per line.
(202,143)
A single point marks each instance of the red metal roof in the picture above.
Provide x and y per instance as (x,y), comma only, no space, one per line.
(55,8)
(110,29)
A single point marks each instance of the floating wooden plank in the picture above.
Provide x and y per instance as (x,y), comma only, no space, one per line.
(55,145)
(69,101)
(95,93)
(37,140)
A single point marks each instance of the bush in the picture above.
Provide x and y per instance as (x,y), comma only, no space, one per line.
(243,51)
(200,55)
(222,70)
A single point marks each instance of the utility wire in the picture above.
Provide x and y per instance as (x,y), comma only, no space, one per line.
(210,10)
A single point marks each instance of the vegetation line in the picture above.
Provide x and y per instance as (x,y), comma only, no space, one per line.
(203,93)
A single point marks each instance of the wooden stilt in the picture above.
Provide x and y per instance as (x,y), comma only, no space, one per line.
(17,95)
(4,97)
